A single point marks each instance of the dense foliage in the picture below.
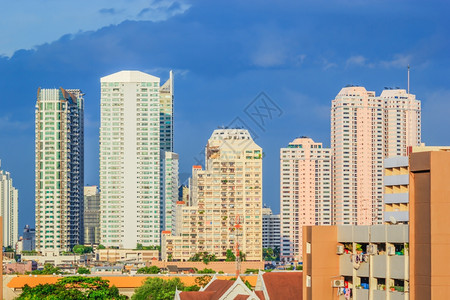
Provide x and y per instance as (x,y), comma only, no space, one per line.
(155,288)
(49,269)
(140,247)
(203,280)
(83,270)
(81,249)
(206,271)
(205,257)
(149,270)
(74,287)
(271,254)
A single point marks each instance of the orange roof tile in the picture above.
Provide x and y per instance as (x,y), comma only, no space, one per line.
(284,285)
(219,287)
(241,297)
(260,295)
(196,295)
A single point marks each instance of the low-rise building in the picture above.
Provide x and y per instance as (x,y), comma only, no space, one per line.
(124,255)
(20,267)
(366,261)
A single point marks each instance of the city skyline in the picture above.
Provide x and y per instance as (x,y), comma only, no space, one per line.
(272,50)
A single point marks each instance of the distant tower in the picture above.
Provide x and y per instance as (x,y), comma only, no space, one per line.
(365,129)
(91,215)
(9,197)
(130,159)
(59,170)
(305,194)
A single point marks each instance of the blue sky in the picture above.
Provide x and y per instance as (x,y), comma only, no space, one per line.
(223,53)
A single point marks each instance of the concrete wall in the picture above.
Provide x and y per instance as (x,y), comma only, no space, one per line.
(429,225)
(321,263)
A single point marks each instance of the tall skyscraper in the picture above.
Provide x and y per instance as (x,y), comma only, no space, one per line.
(59,170)
(9,198)
(226,193)
(166,96)
(306,186)
(169,189)
(169,160)
(364,130)
(130,159)
(91,215)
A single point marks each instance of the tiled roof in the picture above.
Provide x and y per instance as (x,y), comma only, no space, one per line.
(260,295)
(196,295)
(219,287)
(241,297)
(284,285)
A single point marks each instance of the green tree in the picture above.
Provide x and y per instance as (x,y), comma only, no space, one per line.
(149,270)
(230,255)
(83,270)
(155,288)
(74,287)
(81,249)
(49,269)
(205,257)
(203,280)
(100,246)
(206,271)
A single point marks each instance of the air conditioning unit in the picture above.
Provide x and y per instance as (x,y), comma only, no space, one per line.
(391,250)
(338,283)
(340,249)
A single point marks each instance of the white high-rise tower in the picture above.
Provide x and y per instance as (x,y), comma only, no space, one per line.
(130,159)
(9,197)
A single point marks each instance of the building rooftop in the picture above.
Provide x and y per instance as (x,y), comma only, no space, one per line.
(130,76)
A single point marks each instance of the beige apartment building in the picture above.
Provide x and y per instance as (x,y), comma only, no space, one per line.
(305,192)
(365,129)
(396,184)
(227,192)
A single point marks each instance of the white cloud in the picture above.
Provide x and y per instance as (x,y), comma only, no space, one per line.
(27,23)
(7,124)
(357,60)
(398,61)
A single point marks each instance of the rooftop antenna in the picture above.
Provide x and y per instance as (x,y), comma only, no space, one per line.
(408,78)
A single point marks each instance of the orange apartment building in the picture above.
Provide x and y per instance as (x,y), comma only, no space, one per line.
(388,261)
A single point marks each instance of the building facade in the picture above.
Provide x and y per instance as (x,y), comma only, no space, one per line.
(429,195)
(91,215)
(130,159)
(356,262)
(27,242)
(228,192)
(305,192)
(59,170)
(270,229)
(365,129)
(396,190)
(169,189)
(9,201)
